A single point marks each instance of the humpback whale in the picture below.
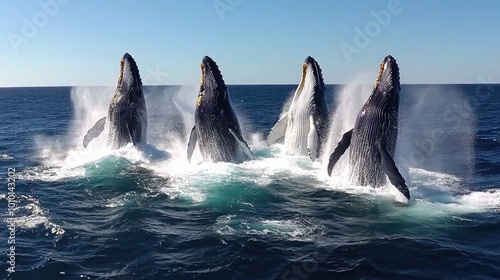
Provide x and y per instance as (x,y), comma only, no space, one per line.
(304,127)
(126,121)
(374,136)
(217,129)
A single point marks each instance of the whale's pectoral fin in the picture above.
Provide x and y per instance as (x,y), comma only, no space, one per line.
(94,132)
(312,139)
(278,131)
(242,144)
(192,143)
(392,171)
(339,151)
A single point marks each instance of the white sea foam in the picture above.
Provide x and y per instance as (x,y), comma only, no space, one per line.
(29,214)
(290,229)
(5,156)
(120,200)
(481,200)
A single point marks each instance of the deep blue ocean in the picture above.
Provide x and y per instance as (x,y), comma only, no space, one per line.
(147,213)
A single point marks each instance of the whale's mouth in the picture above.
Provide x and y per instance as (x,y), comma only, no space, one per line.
(202,86)
(312,77)
(129,79)
(212,83)
(387,85)
(388,76)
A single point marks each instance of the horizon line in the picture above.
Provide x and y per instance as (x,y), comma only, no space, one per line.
(277,84)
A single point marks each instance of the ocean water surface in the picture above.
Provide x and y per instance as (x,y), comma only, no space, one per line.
(147,213)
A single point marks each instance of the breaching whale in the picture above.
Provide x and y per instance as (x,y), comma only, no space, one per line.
(303,128)
(374,136)
(217,129)
(126,121)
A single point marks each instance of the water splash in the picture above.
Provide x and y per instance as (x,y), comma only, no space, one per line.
(348,102)
(287,104)
(89,105)
(170,115)
(63,156)
(437,128)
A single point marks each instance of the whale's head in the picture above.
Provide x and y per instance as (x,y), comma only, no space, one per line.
(213,90)
(387,86)
(129,82)
(127,113)
(312,85)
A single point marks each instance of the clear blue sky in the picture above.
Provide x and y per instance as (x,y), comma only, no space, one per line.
(253,41)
